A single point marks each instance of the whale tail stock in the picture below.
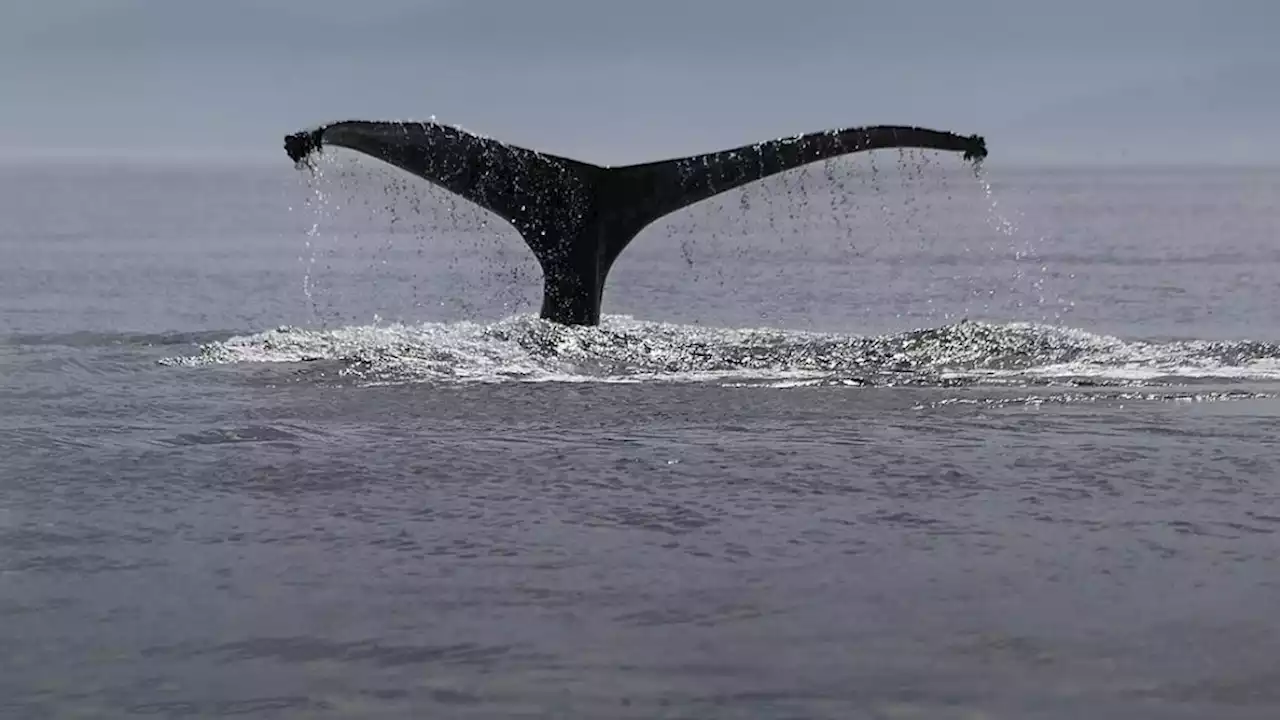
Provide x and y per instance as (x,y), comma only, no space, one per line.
(577,217)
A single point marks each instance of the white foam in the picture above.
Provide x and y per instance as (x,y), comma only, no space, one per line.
(624,350)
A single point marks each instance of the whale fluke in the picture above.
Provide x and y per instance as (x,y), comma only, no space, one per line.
(577,217)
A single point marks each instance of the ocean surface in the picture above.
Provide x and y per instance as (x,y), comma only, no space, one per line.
(883,438)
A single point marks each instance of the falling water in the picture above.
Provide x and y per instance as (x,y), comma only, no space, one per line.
(317,200)
(874,218)
(1022,254)
(416,247)
(835,212)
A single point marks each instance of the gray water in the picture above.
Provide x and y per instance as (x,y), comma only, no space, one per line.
(861,442)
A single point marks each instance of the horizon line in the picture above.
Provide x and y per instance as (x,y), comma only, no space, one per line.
(258,156)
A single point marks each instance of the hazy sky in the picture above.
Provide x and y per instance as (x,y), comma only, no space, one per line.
(623,80)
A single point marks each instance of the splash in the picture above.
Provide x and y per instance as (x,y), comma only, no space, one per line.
(622,349)
(1027,285)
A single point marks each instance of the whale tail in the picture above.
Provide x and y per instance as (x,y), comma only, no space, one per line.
(577,217)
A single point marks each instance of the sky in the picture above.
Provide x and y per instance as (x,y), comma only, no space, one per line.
(617,81)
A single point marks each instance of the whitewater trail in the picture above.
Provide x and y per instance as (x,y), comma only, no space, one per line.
(622,349)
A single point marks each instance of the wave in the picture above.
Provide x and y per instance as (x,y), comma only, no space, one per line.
(622,349)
